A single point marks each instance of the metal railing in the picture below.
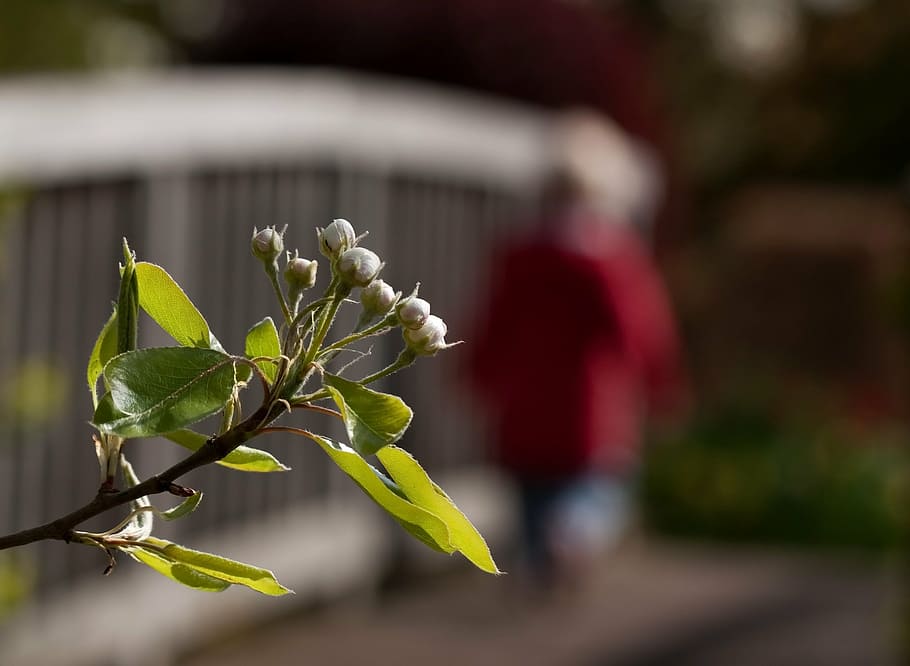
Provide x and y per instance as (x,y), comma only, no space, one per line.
(185,165)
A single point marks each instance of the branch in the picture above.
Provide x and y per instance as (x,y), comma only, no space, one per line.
(215,449)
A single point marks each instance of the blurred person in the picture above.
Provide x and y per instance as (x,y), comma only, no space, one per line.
(575,347)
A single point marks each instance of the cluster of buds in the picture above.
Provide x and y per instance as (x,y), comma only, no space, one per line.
(354,266)
(424,333)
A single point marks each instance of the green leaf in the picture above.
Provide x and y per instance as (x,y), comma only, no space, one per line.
(262,340)
(176,571)
(186,507)
(104,350)
(231,571)
(105,412)
(420,489)
(128,303)
(165,302)
(154,391)
(421,523)
(243,458)
(373,420)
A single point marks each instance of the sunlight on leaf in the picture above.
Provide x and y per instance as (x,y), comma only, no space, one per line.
(262,340)
(243,458)
(372,419)
(418,521)
(420,489)
(165,302)
(104,350)
(176,571)
(222,568)
(163,389)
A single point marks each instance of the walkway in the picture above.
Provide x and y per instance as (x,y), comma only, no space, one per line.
(649,605)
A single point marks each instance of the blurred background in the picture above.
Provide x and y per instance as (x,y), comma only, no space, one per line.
(771,519)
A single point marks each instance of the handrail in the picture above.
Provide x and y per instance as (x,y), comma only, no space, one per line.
(68,127)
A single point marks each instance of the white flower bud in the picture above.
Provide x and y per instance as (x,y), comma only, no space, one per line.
(413,312)
(429,338)
(358,266)
(336,238)
(300,273)
(377,297)
(267,245)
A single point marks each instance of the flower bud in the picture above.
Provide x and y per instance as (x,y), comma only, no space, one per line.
(429,338)
(267,245)
(336,238)
(358,266)
(377,298)
(413,312)
(300,273)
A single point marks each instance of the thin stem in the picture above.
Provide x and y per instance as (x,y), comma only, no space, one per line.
(309,308)
(317,408)
(292,430)
(272,272)
(405,358)
(325,322)
(379,327)
(321,394)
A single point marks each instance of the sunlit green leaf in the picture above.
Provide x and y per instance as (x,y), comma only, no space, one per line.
(128,303)
(372,419)
(407,473)
(165,302)
(160,390)
(186,507)
(262,340)
(104,350)
(176,571)
(421,523)
(256,578)
(243,458)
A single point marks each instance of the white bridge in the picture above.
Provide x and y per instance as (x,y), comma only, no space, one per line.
(184,165)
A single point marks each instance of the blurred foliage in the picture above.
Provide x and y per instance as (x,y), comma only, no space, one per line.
(17,578)
(34,392)
(835,109)
(738,475)
(59,35)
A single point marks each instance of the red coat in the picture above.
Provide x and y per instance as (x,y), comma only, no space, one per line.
(577,340)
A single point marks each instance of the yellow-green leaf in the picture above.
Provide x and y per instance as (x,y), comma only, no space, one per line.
(104,350)
(165,302)
(176,571)
(423,524)
(243,458)
(407,473)
(262,341)
(187,506)
(222,568)
(372,419)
